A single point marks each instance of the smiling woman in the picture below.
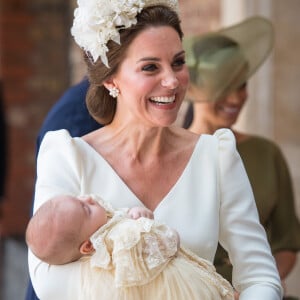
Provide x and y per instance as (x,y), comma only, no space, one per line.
(194,184)
(146,63)
(160,79)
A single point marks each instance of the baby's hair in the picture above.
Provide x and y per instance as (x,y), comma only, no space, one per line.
(46,235)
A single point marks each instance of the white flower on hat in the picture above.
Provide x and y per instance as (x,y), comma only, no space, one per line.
(98,21)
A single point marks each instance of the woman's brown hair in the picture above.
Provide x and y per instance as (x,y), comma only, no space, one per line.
(100,104)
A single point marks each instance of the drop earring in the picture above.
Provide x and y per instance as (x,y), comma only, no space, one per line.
(114,92)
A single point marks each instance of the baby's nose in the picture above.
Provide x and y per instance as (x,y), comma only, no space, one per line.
(87,199)
(90,200)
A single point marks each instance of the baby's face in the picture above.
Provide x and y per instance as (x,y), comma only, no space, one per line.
(84,213)
(94,216)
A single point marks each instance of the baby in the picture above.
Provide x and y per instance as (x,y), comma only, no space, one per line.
(60,230)
(126,247)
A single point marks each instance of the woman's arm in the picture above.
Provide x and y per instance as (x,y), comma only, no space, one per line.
(285,261)
(58,172)
(284,224)
(254,270)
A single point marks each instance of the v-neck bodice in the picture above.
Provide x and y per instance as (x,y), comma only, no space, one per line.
(108,174)
(82,170)
(212,200)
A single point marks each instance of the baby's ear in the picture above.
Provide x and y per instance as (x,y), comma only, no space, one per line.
(86,247)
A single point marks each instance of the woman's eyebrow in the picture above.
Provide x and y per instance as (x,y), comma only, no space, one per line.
(179,53)
(149,58)
(152,58)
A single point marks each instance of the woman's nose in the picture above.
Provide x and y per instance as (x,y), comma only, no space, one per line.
(234,97)
(170,80)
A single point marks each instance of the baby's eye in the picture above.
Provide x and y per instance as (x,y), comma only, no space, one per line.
(87,209)
(149,68)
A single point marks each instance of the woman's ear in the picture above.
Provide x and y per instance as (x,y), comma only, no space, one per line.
(109,83)
(86,247)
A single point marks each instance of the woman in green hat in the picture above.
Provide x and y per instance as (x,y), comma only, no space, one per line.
(220,65)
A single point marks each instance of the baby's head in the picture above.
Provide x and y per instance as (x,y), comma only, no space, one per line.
(59,231)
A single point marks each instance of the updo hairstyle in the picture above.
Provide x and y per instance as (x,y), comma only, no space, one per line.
(100,104)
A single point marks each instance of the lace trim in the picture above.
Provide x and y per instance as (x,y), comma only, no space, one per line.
(137,250)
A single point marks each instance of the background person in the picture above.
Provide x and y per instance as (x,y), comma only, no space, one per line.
(69,112)
(221,64)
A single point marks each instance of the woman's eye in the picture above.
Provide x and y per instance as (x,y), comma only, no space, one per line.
(242,86)
(150,68)
(179,62)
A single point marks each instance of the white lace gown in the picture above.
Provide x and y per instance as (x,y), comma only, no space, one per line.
(212,200)
(141,259)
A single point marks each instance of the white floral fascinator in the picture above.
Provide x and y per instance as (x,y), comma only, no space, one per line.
(98,21)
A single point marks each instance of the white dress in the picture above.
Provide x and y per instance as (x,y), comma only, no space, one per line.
(212,200)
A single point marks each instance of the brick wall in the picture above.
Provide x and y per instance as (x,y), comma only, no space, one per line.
(35,70)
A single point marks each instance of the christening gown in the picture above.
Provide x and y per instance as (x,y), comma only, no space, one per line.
(211,201)
(141,259)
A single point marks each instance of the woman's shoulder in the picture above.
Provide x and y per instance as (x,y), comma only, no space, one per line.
(61,134)
(58,143)
(56,138)
(220,135)
(222,138)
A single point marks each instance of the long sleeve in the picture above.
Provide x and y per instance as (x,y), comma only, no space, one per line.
(254,269)
(58,169)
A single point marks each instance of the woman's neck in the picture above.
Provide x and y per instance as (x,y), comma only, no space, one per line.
(202,127)
(200,124)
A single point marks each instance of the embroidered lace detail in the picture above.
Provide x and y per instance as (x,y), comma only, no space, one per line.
(137,250)
(209,273)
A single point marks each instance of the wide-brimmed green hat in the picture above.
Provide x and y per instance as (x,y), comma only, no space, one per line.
(221,61)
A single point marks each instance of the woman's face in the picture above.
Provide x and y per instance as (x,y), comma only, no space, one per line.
(152,78)
(224,112)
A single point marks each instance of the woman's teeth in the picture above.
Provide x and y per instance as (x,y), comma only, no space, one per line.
(162,99)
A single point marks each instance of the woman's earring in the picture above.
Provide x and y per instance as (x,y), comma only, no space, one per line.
(114,92)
